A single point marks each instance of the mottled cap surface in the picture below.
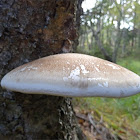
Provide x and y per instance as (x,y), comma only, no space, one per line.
(73,75)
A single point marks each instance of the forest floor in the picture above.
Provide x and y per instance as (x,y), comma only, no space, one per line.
(111,119)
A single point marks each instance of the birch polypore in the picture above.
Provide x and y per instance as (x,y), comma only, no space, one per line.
(72,75)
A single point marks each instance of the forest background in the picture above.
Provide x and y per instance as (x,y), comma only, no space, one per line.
(110,29)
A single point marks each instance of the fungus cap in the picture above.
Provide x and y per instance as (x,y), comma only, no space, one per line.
(73,75)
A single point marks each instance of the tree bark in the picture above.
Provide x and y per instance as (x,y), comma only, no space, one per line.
(30,29)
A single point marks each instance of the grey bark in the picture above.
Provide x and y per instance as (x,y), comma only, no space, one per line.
(30,29)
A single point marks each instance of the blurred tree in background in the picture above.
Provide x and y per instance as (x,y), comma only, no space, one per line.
(111,29)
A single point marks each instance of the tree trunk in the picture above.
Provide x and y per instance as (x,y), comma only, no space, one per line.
(117,41)
(95,34)
(30,29)
(100,45)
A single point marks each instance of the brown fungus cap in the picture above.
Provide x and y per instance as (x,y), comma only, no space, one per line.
(72,75)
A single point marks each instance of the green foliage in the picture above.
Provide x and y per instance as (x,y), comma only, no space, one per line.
(116,24)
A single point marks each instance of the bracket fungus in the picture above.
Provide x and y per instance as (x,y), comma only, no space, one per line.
(72,75)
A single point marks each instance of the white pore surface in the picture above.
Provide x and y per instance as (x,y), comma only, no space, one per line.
(101,90)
